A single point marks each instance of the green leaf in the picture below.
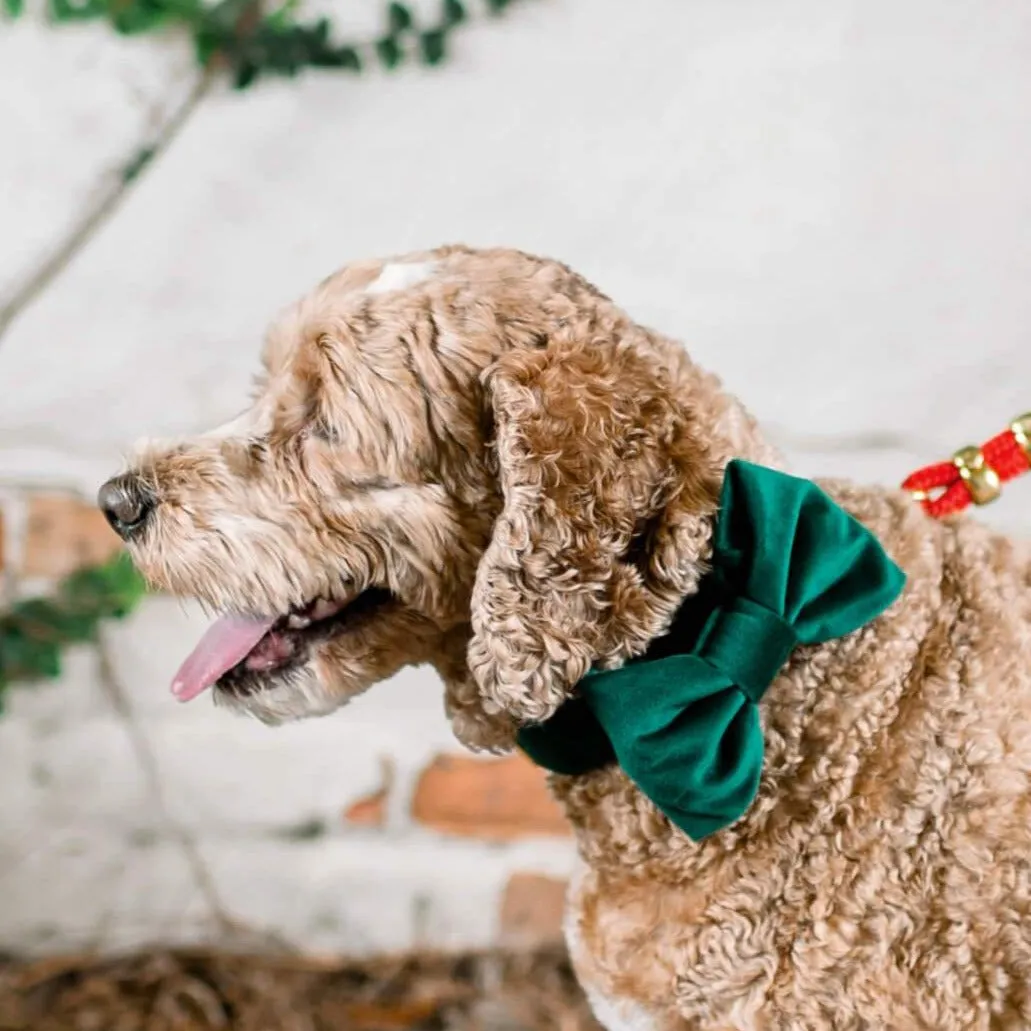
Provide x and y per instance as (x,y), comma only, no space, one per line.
(209,39)
(320,31)
(130,17)
(284,15)
(126,588)
(245,74)
(46,662)
(389,52)
(110,591)
(77,10)
(497,6)
(454,13)
(433,46)
(187,11)
(347,57)
(238,36)
(27,659)
(399,19)
(226,14)
(135,20)
(13,8)
(35,631)
(41,620)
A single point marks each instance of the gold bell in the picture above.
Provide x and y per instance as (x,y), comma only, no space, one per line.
(981,479)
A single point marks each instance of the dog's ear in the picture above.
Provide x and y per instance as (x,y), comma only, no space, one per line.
(608,492)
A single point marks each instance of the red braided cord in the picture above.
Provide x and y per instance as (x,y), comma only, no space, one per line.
(951,502)
(941,489)
(1006,456)
(939,475)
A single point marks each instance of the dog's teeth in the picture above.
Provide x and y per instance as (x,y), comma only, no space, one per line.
(323,609)
(298,622)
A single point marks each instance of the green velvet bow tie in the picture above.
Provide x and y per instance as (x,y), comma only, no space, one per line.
(789,567)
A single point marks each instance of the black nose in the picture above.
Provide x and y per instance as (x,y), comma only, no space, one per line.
(126,502)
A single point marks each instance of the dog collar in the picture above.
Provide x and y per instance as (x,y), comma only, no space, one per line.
(790,567)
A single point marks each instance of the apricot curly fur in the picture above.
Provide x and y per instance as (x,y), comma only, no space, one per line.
(533,476)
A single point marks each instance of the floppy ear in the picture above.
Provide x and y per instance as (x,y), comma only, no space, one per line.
(608,492)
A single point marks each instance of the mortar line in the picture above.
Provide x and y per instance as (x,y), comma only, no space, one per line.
(25,487)
(858,442)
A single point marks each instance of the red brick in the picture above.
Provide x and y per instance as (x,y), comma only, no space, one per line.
(490,799)
(62,534)
(369,811)
(532,909)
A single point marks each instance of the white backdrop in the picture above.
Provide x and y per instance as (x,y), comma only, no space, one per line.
(827,200)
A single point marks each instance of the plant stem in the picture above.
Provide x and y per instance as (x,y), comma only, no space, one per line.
(97,214)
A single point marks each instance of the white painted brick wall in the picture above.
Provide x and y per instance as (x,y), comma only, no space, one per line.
(263,809)
(827,200)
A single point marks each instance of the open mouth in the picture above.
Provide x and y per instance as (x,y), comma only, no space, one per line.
(244,652)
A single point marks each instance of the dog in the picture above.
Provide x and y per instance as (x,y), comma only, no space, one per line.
(474,459)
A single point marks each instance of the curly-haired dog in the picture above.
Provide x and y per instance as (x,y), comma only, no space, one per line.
(476,460)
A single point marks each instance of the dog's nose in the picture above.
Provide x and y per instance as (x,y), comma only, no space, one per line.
(126,503)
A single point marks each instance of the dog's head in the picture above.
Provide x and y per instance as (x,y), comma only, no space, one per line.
(470,459)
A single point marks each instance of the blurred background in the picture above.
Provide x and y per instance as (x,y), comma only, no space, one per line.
(826,200)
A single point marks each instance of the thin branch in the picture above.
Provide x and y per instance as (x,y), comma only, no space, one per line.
(99,213)
(257,46)
(229,926)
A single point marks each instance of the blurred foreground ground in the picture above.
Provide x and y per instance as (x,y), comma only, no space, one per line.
(205,990)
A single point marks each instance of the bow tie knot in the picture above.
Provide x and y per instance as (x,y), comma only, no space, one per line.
(747,643)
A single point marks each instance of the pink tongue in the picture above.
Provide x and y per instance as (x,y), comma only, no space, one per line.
(226,643)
